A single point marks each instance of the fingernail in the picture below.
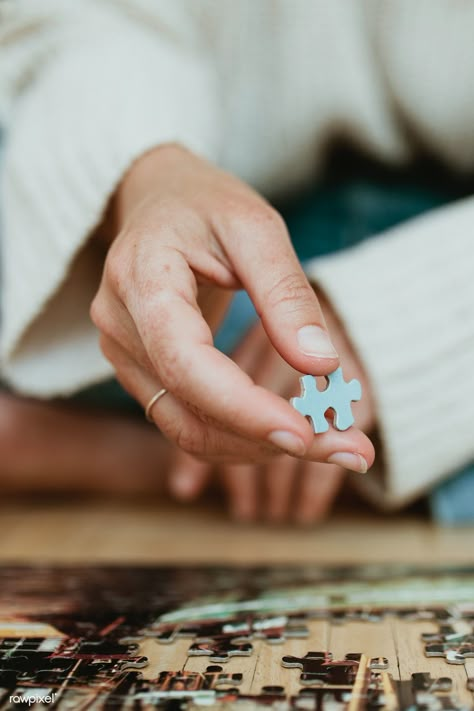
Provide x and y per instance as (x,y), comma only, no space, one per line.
(288,441)
(348,460)
(182,485)
(315,341)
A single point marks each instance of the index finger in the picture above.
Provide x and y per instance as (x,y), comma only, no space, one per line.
(180,347)
(289,309)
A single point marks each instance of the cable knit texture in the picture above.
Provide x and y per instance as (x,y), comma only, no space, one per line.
(262,89)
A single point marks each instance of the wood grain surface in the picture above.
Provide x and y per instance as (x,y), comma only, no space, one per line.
(91,532)
(134,532)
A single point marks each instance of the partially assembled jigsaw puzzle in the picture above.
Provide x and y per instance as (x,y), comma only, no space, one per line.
(287,638)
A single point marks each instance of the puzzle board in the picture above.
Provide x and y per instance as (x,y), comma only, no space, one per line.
(284,638)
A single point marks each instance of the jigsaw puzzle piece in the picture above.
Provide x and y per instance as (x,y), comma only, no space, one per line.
(220,649)
(423,681)
(338,396)
(455,652)
(270,696)
(234,628)
(310,404)
(276,630)
(379,663)
(320,668)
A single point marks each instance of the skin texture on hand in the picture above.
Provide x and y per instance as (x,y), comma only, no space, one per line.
(284,488)
(184,235)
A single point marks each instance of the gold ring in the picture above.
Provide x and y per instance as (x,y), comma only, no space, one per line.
(153,402)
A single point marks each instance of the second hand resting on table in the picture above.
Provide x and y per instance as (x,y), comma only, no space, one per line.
(182,235)
(284,487)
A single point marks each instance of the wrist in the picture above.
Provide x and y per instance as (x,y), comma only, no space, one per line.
(143,176)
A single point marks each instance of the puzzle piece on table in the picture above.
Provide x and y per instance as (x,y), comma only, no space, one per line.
(338,395)
(212,678)
(321,698)
(423,681)
(423,693)
(418,614)
(320,668)
(273,630)
(53,662)
(234,628)
(426,701)
(219,640)
(269,696)
(220,649)
(379,663)
(445,633)
(455,652)
(340,617)
(96,648)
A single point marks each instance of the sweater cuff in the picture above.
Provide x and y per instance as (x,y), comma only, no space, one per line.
(406,300)
(73,134)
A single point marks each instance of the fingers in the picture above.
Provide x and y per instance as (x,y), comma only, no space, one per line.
(280,478)
(188,476)
(273,372)
(287,489)
(242,485)
(351,449)
(271,273)
(318,488)
(176,421)
(179,345)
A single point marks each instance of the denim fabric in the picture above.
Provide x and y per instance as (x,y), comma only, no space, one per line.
(452,502)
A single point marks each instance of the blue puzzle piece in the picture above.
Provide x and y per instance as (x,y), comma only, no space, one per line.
(338,396)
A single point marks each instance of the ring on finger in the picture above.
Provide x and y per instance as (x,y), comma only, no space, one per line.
(157,396)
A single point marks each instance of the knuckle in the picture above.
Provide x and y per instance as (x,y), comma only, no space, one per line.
(172,375)
(272,220)
(258,217)
(106,346)
(291,291)
(103,319)
(99,314)
(116,270)
(190,441)
(202,442)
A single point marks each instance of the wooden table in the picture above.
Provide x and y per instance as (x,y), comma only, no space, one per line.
(82,531)
(95,532)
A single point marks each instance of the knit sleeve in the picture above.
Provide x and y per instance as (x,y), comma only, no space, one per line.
(406,299)
(87,87)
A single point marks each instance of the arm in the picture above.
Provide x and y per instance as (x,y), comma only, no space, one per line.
(88,90)
(181,225)
(407,302)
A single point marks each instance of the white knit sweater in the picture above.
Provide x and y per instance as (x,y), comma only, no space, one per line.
(261,88)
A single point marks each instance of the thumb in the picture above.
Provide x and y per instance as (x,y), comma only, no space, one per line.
(285,301)
(188,476)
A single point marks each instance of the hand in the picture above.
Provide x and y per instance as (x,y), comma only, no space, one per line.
(182,225)
(286,487)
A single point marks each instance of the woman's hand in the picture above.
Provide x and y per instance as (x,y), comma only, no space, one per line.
(184,229)
(285,487)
